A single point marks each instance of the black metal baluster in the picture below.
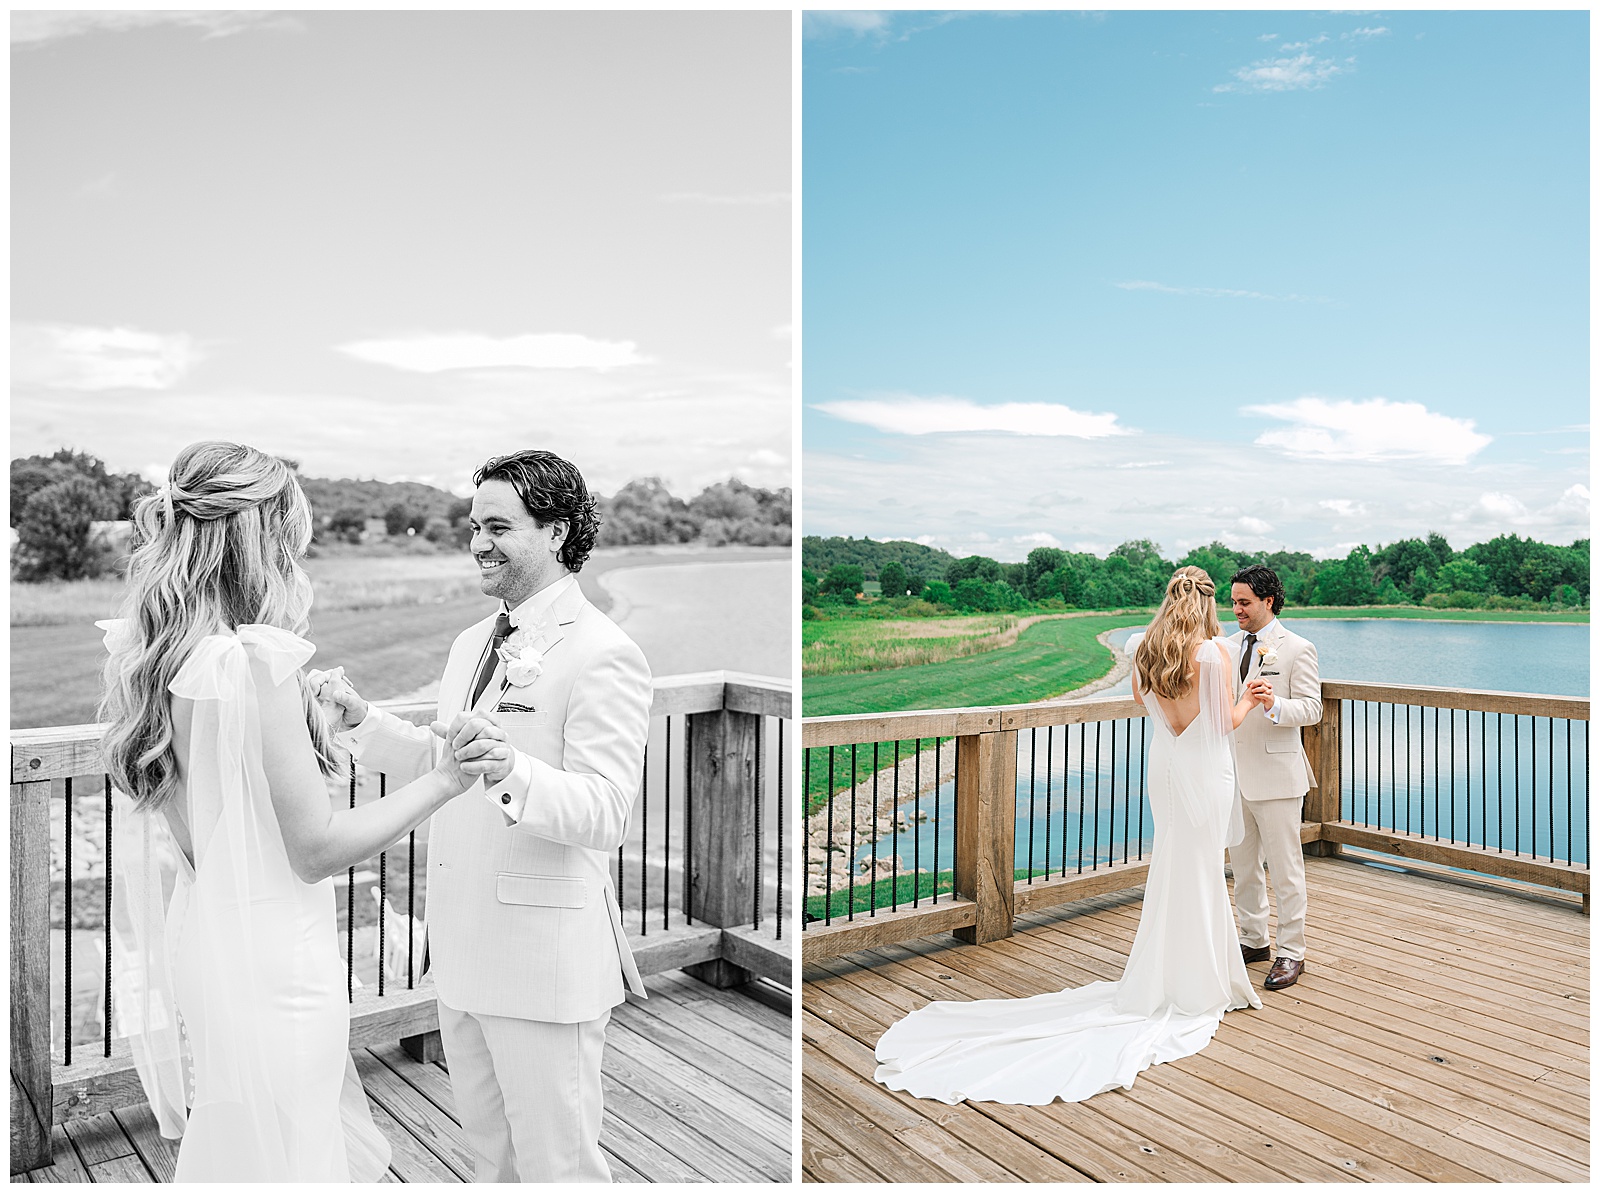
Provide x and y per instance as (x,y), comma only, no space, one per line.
(760,842)
(644,838)
(1550,741)
(805,839)
(1571,845)
(1408,772)
(688,816)
(106,1031)
(383,893)
(1033,754)
(1452,776)
(411,904)
(1111,795)
(916,834)
(1438,825)
(350,907)
(66,899)
(782,829)
(666,830)
(938,773)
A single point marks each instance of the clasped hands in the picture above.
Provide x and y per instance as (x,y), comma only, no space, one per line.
(477,742)
(1262,691)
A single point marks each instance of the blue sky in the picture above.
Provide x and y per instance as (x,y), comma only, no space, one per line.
(1284,279)
(391,244)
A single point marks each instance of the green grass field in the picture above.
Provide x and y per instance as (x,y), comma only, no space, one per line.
(1048,658)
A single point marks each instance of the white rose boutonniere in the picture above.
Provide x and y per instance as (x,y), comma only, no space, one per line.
(1268,655)
(523,657)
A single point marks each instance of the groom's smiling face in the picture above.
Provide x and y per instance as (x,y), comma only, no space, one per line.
(516,556)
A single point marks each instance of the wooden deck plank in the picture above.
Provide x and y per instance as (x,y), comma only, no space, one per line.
(696,1086)
(1476,1069)
(160,1155)
(1021,1159)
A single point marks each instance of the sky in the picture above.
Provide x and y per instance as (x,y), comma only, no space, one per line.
(392,244)
(1291,280)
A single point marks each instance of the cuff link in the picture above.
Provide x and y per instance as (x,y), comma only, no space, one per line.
(505,798)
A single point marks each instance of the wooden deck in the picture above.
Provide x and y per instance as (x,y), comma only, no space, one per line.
(1440,1033)
(697,1088)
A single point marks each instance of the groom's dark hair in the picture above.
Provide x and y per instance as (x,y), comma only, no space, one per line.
(1264,582)
(553,491)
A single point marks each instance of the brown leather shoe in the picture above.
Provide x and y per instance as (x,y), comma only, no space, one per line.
(1252,952)
(1284,972)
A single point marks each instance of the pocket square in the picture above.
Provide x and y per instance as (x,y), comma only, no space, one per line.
(507,706)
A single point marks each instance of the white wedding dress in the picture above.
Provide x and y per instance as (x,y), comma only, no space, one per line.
(228,977)
(1184,972)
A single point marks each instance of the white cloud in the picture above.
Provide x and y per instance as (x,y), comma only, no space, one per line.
(1213,292)
(1144,464)
(65,356)
(1365,34)
(442,353)
(1290,47)
(1345,507)
(1254,526)
(821,22)
(912,415)
(1302,72)
(1078,491)
(36,27)
(1376,429)
(1268,37)
(749,199)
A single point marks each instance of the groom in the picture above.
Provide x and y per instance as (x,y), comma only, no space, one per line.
(1272,772)
(550,702)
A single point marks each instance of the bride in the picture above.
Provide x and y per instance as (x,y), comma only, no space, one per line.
(1185,969)
(233,989)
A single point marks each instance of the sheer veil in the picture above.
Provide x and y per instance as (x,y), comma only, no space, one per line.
(217,910)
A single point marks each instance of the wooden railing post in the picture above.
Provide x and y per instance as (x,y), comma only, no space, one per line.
(31,1092)
(986,830)
(721,836)
(1322,745)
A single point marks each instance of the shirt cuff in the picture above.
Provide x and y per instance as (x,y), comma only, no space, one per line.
(353,739)
(510,795)
(1272,713)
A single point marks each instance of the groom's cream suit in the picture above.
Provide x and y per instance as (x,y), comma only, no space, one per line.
(1273,775)
(525,939)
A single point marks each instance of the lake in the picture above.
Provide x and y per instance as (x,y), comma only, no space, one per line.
(1516,782)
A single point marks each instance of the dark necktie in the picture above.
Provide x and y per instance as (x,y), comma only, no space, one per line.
(1244,657)
(502,630)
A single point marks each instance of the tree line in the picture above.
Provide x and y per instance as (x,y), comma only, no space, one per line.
(1506,572)
(60,505)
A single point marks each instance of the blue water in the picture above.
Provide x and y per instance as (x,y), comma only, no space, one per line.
(1517,783)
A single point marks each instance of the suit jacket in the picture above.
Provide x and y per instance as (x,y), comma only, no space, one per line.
(1269,759)
(522,917)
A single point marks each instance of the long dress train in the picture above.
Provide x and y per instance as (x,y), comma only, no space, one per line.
(1184,971)
(229,982)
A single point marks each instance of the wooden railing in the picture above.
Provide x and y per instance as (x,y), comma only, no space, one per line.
(991,881)
(714,919)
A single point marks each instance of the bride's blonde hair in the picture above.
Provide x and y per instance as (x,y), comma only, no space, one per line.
(1187,617)
(218,548)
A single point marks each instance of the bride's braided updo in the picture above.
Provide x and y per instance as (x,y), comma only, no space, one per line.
(219,546)
(1187,617)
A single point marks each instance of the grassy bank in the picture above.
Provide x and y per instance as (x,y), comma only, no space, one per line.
(1047,659)
(846,645)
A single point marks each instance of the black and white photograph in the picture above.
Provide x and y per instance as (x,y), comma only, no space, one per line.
(401,596)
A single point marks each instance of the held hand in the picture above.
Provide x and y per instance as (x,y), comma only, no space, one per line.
(481,748)
(1261,690)
(447,768)
(340,703)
